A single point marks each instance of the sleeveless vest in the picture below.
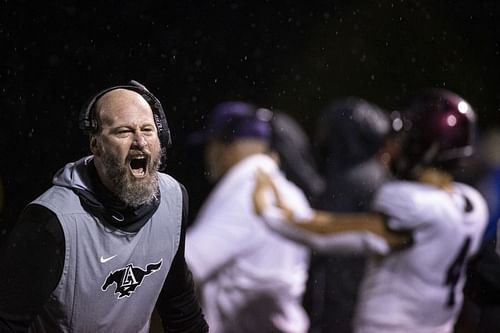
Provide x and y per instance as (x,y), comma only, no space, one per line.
(111,278)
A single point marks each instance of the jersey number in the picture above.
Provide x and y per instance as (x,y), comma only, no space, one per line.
(453,273)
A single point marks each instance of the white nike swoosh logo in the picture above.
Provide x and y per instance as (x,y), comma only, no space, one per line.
(118,218)
(103,260)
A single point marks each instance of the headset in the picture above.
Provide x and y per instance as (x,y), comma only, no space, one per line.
(88,121)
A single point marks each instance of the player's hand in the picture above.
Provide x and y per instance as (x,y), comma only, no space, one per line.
(262,186)
(266,190)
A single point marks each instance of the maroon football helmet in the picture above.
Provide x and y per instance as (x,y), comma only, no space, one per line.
(436,130)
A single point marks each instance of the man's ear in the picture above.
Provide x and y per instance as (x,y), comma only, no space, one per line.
(94,146)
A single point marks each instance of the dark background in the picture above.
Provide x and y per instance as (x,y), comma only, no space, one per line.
(289,55)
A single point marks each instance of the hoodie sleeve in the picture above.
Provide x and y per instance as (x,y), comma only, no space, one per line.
(33,252)
(178,305)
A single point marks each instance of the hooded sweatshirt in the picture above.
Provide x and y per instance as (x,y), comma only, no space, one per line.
(79,260)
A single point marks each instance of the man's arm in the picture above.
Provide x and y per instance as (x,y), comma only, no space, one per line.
(327,223)
(178,305)
(31,263)
(325,231)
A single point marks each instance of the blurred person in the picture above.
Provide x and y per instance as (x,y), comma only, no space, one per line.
(250,279)
(105,244)
(481,313)
(349,140)
(489,183)
(423,227)
(292,147)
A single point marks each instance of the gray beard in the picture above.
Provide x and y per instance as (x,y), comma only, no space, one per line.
(133,192)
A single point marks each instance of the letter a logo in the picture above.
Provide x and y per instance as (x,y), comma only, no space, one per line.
(129,277)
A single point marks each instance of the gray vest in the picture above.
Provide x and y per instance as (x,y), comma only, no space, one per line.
(111,278)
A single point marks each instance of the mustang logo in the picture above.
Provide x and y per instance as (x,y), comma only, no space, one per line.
(127,279)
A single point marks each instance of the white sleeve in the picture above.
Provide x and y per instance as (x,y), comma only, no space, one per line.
(213,242)
(402,204)
(350,242)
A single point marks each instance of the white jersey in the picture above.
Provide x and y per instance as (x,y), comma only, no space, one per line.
(419,289)
(252,279)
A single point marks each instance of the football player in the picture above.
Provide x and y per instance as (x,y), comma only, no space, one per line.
(422,229)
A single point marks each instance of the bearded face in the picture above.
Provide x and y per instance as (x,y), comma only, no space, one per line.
(130,189)
(127,149)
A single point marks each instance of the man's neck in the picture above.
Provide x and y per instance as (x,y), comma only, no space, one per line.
(436,177)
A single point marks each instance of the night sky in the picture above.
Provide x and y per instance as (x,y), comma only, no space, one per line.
(289,55)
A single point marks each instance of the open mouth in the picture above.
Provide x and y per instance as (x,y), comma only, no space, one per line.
(138,166)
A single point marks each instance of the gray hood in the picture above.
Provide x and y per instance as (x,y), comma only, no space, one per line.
(75,175)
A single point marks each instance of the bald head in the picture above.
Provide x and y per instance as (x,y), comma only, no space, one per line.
(111,105)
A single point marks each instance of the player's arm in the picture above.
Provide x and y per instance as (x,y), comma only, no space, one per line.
(178,305)
(31,263)
(327,223)
(325,231)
